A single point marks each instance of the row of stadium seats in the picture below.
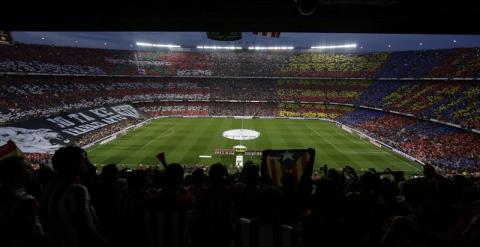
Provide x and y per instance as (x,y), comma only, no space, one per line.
(69,60)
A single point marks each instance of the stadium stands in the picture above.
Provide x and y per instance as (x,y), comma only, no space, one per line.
(451,149)
(447,63)
(453,102)
(26,98)
(75,205)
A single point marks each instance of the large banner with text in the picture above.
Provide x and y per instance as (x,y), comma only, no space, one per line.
(46,135)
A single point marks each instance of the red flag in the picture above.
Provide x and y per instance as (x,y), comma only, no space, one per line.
(10,150)
(268,34)
(161,156)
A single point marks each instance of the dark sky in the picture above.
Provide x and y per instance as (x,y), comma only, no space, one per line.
(365,42)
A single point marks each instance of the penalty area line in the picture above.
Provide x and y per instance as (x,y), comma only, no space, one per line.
(323,139)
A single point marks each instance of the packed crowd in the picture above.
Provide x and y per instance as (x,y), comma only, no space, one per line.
(101,133)
(453,150)
(72,205)
(30,97)
(241,109)
(412,64)
(70,60)
(453,102)
(336,91)
(243,89)
(459,63)
(39,96)
(268,109)
(38,160)
(27,97)
(312,110)
(335,65)
(174,108)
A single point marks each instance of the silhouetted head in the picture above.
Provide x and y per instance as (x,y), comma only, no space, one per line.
(251,173)
(15,172)
(70,161)
(217,174)
(333,174)
(198,176)
(173,175)
(428,171)
(109,173)
(369,182)
(137,179)
(270,203)
(326,189)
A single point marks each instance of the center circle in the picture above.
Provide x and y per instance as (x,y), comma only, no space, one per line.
(241,134)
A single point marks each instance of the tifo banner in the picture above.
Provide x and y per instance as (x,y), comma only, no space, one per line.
(79,123)
(46,135)
(295,162)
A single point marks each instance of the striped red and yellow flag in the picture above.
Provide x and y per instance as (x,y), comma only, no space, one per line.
(277,163)
(10,149)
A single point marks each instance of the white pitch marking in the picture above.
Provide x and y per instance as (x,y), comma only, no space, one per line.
(325,140)
(161,135)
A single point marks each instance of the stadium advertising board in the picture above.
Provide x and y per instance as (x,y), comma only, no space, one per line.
(45,135)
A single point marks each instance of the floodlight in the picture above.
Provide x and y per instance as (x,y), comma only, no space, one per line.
(157,45)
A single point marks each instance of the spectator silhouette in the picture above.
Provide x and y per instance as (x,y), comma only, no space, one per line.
(70,216)
(215,209)
(247,191)
(105,200)
(19,221)
(132,205)
(167,212)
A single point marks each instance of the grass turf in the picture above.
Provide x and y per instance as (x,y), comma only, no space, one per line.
(184,139)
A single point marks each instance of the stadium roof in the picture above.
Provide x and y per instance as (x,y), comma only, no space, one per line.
(364,42)
(366,16)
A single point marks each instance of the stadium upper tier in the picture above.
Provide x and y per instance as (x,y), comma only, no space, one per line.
(447,63)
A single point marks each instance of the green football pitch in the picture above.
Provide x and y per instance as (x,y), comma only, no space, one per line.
(184,139)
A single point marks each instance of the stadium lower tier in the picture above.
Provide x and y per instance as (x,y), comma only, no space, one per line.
(178,108)
(451,149)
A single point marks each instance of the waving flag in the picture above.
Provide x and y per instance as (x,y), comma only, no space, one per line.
(268,34)
(277,163)
(10,149)
(161,156)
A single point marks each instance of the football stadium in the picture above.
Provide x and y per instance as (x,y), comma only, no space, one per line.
(397,110)
(190,138)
